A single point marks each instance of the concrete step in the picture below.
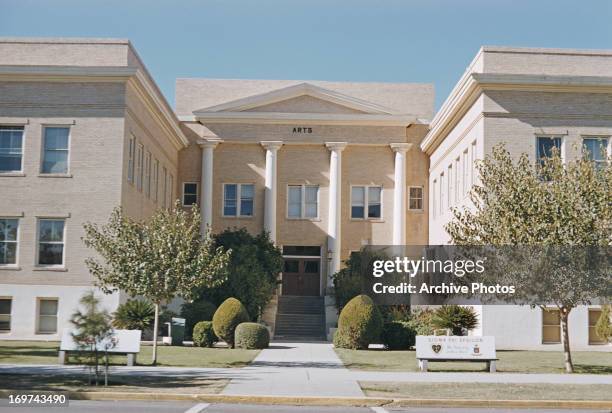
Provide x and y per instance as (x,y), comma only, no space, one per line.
(300,318)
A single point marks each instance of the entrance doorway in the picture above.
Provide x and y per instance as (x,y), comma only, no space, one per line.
(301,271)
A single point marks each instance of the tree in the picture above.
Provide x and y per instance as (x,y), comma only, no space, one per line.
(252,270)
(157,259)
(92,330)
(560,211)
(134,315)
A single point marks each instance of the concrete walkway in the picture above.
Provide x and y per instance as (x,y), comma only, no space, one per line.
(305,369)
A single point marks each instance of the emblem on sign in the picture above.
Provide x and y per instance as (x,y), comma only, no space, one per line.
(476,349)
(436,348)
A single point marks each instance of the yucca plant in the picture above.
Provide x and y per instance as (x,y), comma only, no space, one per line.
(134,315)
(455,318)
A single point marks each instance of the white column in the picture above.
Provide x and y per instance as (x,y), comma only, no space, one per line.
(272,148)
(206,184)
(399,193)
(335,203)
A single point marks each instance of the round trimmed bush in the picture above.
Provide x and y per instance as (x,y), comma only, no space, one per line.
(359,325)
(398,335)
(203,334)
(230,313)
(252,336)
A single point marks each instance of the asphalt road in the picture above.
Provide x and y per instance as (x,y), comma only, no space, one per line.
(78,406)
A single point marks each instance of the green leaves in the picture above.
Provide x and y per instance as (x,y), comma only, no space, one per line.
(159,259)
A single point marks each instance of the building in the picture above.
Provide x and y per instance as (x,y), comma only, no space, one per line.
(530,100)
(324,167)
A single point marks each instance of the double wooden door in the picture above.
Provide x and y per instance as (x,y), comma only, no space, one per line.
(302,276)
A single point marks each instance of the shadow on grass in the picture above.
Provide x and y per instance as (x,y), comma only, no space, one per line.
(592,369)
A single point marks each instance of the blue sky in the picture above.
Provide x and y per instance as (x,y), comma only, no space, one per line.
(391,41)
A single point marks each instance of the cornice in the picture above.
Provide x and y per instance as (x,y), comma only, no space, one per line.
(304,118)
(471,86)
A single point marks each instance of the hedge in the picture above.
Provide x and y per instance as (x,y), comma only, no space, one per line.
(359,325)
(227,317)
(252,336)
(203,334)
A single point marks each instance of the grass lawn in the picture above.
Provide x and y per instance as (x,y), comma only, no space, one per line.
(38,352)
(121,383)
(488,391)
(509,361)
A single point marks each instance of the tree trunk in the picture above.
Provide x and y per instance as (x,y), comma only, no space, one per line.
(564,312)
(155,330)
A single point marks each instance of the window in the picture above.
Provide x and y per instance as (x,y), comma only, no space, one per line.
(449,191)
(164,183)
(155,182)
(5,315)
(594,338)
(596,150)
(9,229)
(303,201)
(415,198)
(131,149)
(51,242)
(473,163)
(47,316)
(434,209)
(545,147)
(442,193)
(139,168)
(464,179)
(362,196)
(551,326)
(170,190)
(11,148)
(190,193)
(457,180)
(55,154)
(147,182)
(238,200)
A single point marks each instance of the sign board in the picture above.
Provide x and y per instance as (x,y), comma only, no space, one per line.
(121,341)
(455,347)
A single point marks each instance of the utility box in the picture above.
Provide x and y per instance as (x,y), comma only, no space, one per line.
(177,331)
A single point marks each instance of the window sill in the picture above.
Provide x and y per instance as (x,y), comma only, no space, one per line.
(12,174)
(372,220)
(418,211)
(55,175)
(304,219)
(237,217)
(49,268)
(10,268)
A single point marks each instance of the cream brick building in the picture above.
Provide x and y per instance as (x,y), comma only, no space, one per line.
(325,167)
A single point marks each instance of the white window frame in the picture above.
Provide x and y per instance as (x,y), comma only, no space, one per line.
(465,173)
(442,202)
(457,170)
(139,166)
(366,200)
(545,136)
(171,191)
(165,187)
(147,175)
(43,151)
(10,315)
(434,199)
(38,315)
(473,164)
(16,264)
(156,180)
(131,158)
(238,200)
(608,145)
(303,203)
(422,198)
(23,138)
(38,242)
(551,325)
(196,194)
(450,190)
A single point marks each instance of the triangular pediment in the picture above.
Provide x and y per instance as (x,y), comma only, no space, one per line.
(300,98)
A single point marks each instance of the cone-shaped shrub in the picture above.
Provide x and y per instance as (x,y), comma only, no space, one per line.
(230,313)
(360,324)
(252,336)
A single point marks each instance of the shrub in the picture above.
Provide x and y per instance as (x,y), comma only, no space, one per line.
(421,322)
(360,323)
(456,318)
(134,315)
(398,335)
(227,317)
(603,327)
(252,336)
(348,282)
(200,310)
(203,334)
(252,270)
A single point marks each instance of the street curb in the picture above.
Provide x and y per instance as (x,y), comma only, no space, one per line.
(336,401)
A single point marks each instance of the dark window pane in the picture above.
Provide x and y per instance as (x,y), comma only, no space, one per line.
(300,250)
(546,145)
(8,253)
(292,266)
(357,211)
(50,254)
(311,267)
(191,188)
(5,306)
(230,208)
(374,211)
(11,148)
(190,199)
(246,207)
